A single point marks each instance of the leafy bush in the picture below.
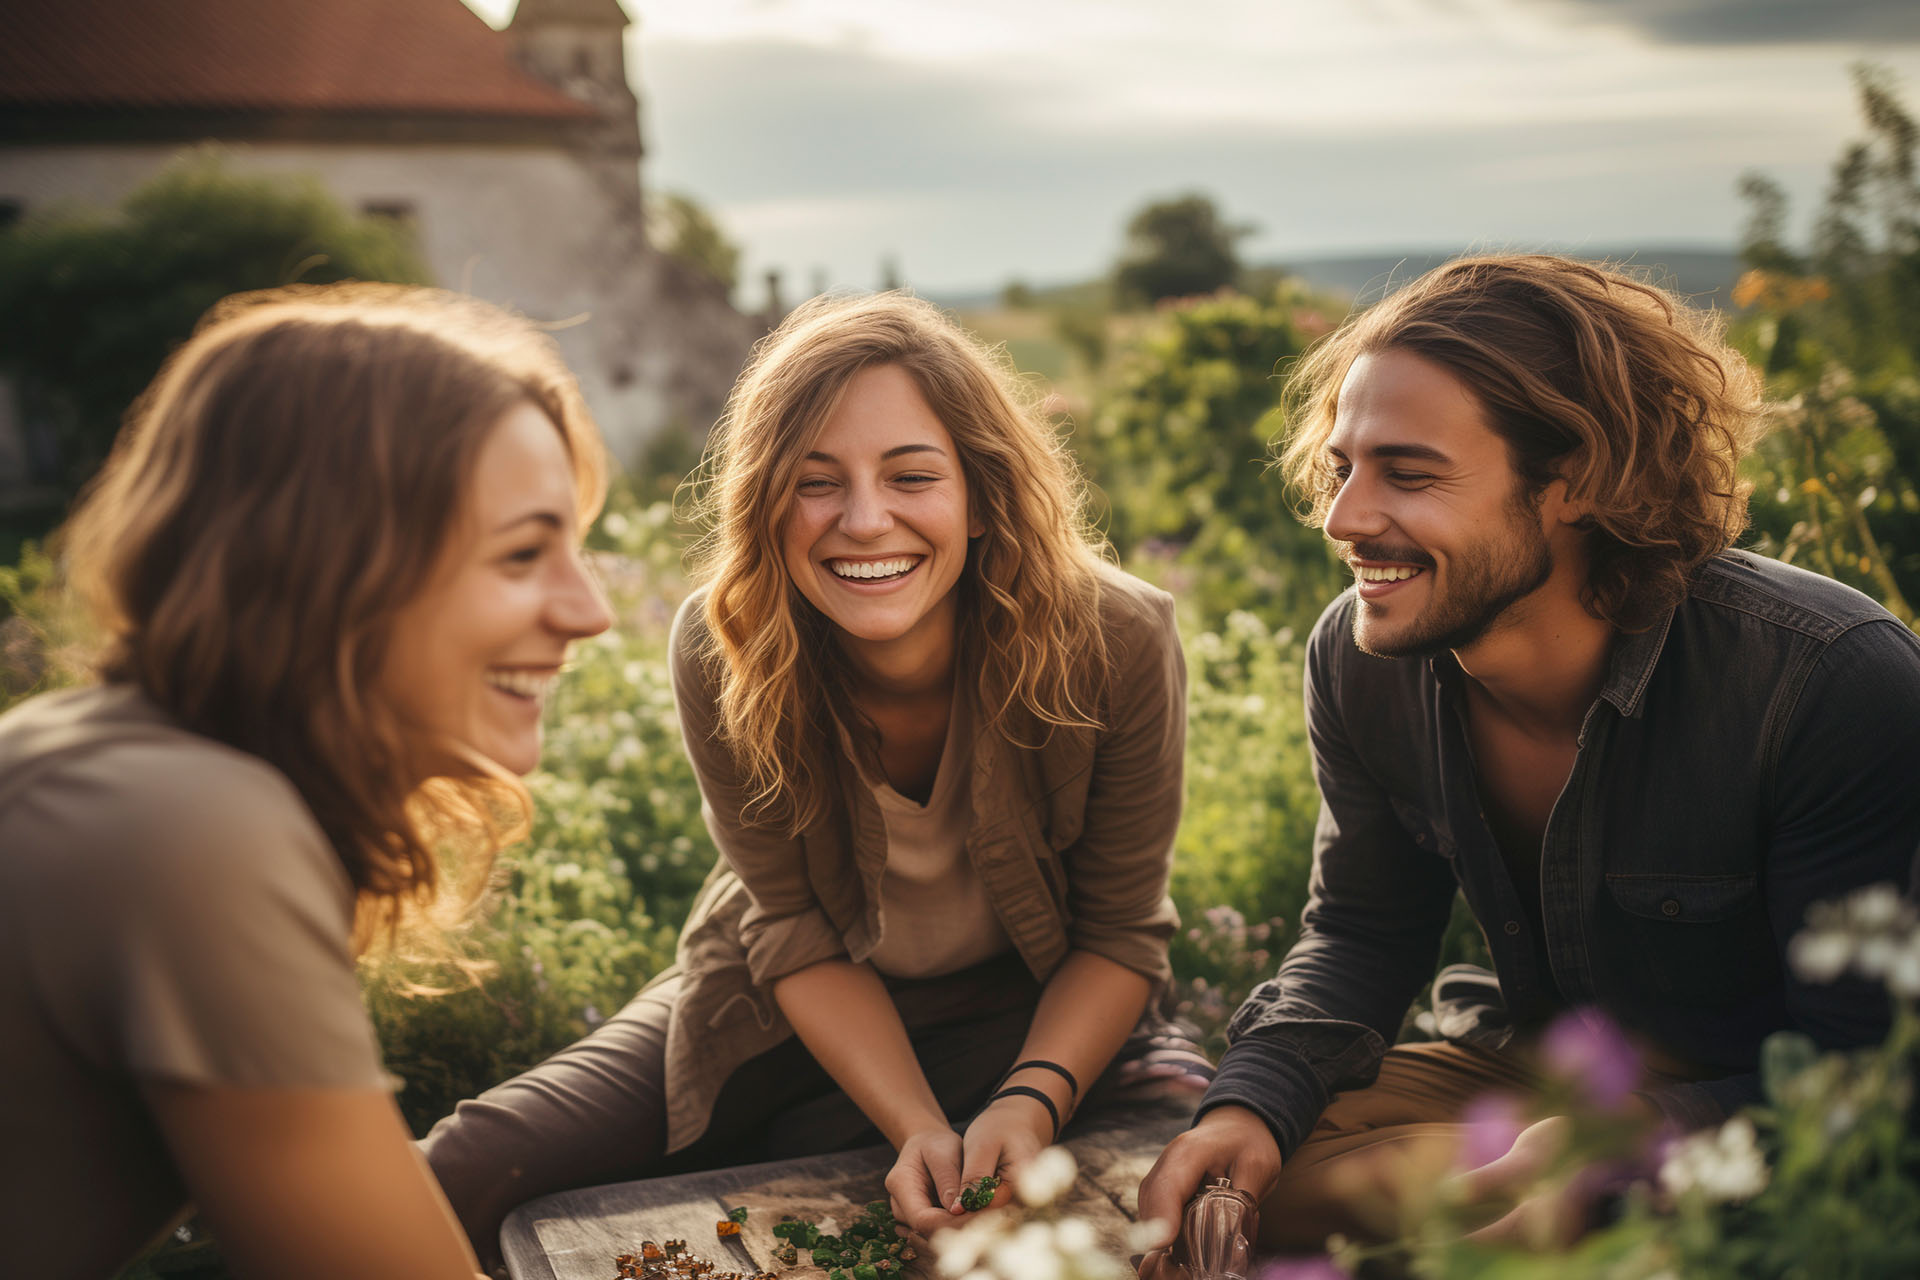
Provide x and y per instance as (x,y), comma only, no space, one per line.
(91,303)
(1177,443)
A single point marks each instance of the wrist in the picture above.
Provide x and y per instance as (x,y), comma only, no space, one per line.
(1046,1115)
(903,1128)
(1029,1112)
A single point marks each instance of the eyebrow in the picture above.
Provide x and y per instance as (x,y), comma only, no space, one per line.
(547,518)
(1418,452)
(814,455)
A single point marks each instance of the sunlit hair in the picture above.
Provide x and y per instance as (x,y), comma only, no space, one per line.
(1609,383)
(285,485)
(1029,596)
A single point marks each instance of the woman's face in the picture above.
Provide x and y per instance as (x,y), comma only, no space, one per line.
(876,536)
(473,656)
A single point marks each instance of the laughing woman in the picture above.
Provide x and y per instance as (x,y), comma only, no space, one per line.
(336,555)
(939,744)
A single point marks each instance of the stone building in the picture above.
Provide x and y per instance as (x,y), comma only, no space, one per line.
(513,155)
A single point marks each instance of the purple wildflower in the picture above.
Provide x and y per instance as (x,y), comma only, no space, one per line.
(1587,1047)
(1492,1121)
(1321,1267)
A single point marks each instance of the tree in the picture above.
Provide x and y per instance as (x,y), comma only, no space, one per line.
(1178,443)
(1177,248)
(1837,329)
(92,302)
(682,229)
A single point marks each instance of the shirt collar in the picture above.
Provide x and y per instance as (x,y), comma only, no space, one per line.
(1630,666)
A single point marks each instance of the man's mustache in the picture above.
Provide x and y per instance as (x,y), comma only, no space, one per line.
(1381,551)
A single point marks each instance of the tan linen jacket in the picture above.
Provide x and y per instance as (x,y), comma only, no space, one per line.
(1072,840)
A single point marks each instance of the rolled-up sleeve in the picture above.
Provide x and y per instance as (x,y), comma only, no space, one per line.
(785,929)
(1120,867)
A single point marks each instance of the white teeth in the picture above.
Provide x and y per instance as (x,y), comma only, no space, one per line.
(525,684)
(871,568)
(1367,574)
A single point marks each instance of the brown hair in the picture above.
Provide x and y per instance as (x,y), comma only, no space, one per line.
(282,488)
(1609,383)
(1029,604)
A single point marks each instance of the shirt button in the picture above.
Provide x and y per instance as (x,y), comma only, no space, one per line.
(1671,907)
(1513,928)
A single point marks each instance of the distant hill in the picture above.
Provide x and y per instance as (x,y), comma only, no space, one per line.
(1704,276)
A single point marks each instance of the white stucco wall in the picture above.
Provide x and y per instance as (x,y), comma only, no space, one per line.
(527,226)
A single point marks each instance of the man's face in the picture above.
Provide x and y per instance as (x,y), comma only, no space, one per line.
(1445,544)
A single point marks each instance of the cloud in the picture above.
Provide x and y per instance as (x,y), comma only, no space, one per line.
(1738,22)
(971,170)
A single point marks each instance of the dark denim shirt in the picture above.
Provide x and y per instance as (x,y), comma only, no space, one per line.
(1756,751)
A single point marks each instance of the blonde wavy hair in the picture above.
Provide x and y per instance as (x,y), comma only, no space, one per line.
(1607,382)
(286,483)
(1029,607)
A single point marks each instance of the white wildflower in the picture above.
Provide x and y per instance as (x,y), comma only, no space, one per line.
(1903,974)
(1724,1166)
(1819,955)
(958,1249)
(1145,1234)
(1075,1235)
(1028,1254)
(1875,908)
(1875,956)
(1046,1177)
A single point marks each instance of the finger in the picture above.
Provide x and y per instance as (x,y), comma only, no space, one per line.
(1509,1228)
(1164,1192)
(943,1173)
(1524,1161)
(909,1190)
(1159,1265)
(982,1158)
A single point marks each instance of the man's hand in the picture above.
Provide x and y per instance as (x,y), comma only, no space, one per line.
(1551,1218)
(1230,1142)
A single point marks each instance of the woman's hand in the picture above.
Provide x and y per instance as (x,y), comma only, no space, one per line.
(1001,1139)
(924,1183)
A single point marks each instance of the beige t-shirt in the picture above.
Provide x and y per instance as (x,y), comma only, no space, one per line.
(935,916)
(169,911)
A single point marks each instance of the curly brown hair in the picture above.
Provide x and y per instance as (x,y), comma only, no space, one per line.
(1590,376)
(282,488)
(1030,594)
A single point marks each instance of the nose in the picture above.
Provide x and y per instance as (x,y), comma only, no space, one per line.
(865,515)
(577,607)
(1354,514)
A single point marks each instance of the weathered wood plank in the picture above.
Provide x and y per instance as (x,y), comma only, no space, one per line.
(575,1235)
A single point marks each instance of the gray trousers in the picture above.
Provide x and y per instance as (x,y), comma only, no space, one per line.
(596,1111)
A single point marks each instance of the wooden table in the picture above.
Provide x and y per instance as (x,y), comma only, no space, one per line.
(575,1235)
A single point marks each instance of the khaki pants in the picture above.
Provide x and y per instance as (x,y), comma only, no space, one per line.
(1378,1149)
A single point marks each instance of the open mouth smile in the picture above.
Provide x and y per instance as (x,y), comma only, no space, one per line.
(533,686)
(1377,580)
(889,569)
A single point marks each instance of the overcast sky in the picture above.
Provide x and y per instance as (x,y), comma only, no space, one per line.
(983,140)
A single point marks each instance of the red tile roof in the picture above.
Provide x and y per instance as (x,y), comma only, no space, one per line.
(433,57)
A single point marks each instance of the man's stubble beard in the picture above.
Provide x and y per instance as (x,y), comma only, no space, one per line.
(1479,597)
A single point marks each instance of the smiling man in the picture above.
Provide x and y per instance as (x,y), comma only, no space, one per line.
(1640,754)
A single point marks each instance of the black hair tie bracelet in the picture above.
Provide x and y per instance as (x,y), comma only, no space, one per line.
(1026,1091)
(1072,1085)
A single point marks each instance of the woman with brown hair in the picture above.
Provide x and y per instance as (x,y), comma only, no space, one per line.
(336,554)
(939,742)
